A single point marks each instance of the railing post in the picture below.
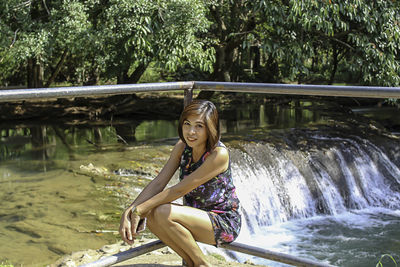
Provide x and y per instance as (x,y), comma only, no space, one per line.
(188,96)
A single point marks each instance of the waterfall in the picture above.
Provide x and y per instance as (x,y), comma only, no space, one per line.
(328,195)
(277,184)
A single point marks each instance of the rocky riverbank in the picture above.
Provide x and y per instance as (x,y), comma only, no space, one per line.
(160,258)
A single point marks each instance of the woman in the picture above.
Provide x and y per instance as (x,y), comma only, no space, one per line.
(211,214)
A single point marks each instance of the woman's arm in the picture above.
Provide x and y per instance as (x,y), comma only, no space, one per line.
(216,163)
(158,184)
(129,221)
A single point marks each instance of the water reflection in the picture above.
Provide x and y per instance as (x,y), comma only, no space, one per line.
(42,142)
(295,113)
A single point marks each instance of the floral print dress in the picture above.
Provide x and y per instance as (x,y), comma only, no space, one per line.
(217,196)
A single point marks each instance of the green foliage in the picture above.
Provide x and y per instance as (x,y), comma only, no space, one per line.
(164,31)
(80,41)
(362,35)
(40,31)
(101,37)
(182,24)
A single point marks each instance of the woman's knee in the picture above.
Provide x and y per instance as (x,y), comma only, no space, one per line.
(159,215)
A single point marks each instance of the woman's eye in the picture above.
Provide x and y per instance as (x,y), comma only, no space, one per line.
(199,126)
(186,123)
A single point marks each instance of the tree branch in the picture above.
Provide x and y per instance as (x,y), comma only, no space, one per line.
(27,3)
(15,38)
(45,7)
(12,43)
(220,22)
(343,43)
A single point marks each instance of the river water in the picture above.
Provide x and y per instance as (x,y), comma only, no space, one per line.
(327,187)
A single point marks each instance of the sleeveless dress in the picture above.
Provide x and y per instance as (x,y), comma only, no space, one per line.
(217,197)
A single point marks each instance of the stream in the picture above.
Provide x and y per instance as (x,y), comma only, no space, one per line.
(327,182)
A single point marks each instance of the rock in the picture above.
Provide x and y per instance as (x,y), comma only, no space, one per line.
(69,263)
(249,262)
(166,250)
(86,257)
(110,249)
(91,170)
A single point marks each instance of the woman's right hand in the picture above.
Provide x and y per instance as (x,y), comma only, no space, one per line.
(128,226)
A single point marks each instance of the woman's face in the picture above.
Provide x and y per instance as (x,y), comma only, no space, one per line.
(194,131)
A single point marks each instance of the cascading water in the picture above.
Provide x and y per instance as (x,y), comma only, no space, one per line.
(319,198)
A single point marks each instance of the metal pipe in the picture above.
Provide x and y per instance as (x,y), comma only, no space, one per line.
(126,255)
(239,247)
(188,96)
(272,255)
(64,92)
(267,88)
(302,89)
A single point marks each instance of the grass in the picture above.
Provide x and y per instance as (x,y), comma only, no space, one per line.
(379,264)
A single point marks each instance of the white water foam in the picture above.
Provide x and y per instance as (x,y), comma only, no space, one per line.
(282,215)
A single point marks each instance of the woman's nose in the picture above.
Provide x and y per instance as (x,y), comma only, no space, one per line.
(192,129)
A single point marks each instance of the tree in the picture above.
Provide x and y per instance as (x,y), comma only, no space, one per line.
(306,40)
(98,37)
(43,34)
(232,23)
(360,37)
(165,32)
(265,41)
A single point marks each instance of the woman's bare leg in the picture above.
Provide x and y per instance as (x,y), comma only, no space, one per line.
(160,232)
(179,227)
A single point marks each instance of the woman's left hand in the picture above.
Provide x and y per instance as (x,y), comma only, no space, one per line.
(134,218)
(128,225)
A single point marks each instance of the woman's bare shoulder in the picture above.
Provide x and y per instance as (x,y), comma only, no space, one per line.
(178,148)
(180,144)
(221,154)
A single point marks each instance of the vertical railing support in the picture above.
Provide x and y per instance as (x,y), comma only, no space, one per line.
(187,99)
(188,96)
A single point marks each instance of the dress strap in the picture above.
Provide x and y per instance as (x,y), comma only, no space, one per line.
(220,144)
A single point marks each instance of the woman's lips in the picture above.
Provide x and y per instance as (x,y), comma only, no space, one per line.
(191,139)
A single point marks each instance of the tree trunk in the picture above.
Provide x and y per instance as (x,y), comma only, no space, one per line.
(34,73)
(334,63)
(123,76)
(93,77)
(271,71)
(58,68)
(137,74)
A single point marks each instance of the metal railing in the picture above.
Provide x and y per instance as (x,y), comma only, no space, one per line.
(235,246)
(188,87)
(82,91)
